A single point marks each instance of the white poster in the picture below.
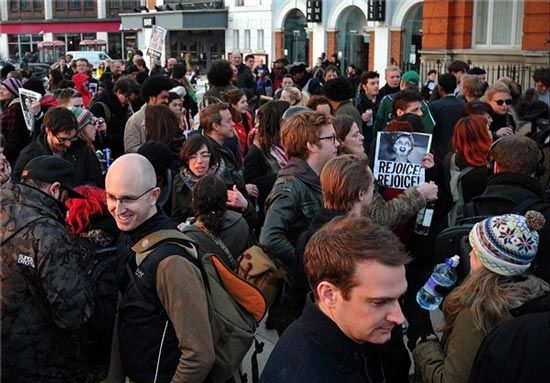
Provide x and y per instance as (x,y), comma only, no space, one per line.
(27,98)
(156,44)
(398,158)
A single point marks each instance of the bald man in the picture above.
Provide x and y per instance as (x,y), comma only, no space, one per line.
(162,332)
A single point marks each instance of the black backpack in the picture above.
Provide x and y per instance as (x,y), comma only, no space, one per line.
(101,269)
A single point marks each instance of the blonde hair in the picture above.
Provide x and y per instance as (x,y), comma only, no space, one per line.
(295,94)
(487,295)
(494,89)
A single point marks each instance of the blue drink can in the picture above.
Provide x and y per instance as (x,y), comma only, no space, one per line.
(107,152)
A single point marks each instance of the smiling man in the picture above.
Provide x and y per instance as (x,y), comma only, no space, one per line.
(356,273)
(59,139)
(162,332)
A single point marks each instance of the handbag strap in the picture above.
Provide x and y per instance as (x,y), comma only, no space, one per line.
(218,242)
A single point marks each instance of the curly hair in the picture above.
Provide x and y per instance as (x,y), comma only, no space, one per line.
(219,73)
(154,85)
(210,202)
(338,89)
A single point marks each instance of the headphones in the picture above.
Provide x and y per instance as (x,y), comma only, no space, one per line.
(539,170)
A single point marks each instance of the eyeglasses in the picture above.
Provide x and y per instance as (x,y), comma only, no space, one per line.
(508,101)
(204,156)
(333,138)
(63,140)
(126,200)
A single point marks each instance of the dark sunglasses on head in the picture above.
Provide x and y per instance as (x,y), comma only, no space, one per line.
(508,101)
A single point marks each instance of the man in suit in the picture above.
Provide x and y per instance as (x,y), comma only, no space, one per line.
(446,112)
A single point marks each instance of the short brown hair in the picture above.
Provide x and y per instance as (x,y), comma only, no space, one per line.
(343,178)
(60,119)
(471,86)
(300,129)
(333,252)
(211,115)
(516,154)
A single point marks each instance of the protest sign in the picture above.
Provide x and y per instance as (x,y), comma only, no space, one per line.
(27,97)
(156,44)
(398,158)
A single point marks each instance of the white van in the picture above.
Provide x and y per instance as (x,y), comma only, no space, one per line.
(93,57)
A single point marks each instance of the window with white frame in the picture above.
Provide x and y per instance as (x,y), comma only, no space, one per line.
(247,39)
(236,39)
(260,42)
(498,23)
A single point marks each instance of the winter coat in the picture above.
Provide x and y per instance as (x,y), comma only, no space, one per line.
(134,133)
(313,349)
(46,295)
(14,130)
(234,234)
(87,168)
(291,206)
(504,194)
(116,118)
(451,360)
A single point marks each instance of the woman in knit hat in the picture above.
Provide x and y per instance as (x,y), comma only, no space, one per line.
(498,287)
(12,122)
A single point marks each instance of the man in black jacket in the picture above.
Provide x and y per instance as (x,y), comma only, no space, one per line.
(113,106)
(46,295)
(514,189)
(446,112)
(59,139)
(356,273)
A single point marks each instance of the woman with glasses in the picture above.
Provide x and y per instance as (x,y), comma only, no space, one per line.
(198,159)
(498,96)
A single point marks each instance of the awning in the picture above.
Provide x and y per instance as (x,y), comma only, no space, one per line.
(72,26)
(204,19)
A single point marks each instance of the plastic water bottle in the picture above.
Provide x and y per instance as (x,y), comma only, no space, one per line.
(444,274)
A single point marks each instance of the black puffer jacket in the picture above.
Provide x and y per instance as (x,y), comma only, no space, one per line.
(515,193)
(46,295)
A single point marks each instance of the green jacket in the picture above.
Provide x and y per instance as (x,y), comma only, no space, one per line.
(451,361)
(290,207)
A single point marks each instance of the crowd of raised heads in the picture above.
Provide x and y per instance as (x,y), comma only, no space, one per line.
(318,168)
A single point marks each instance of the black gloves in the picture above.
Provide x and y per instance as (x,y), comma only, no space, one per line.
(420,329)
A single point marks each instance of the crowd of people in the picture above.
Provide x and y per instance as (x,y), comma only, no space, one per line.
(282,158)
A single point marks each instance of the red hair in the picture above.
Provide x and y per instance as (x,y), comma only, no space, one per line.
(81,210)
(472,139)
(399,126)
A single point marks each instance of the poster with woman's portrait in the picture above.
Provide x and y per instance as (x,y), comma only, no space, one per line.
(398,158)
(27,98)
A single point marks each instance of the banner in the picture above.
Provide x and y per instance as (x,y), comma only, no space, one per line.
(398,159)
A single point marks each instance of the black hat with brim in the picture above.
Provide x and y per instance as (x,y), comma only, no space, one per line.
(52,169)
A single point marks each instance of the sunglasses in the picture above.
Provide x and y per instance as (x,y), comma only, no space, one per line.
(508,101)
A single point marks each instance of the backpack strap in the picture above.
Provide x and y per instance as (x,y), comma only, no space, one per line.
(218,242)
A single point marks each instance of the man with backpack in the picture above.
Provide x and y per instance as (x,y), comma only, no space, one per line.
(46,294)
(514,188)
(162,332)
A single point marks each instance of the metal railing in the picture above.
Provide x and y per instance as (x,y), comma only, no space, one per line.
(522,74)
